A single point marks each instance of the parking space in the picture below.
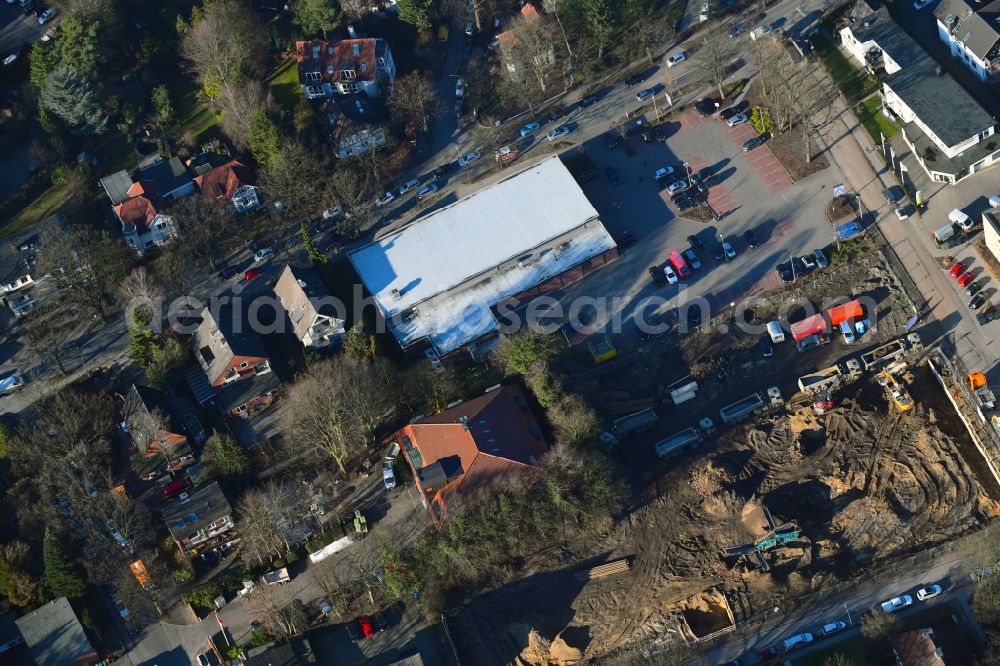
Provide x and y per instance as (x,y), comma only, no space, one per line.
(761,159)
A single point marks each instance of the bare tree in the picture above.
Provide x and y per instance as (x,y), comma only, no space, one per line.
(533,50)
(142,291)
(276,610)
(337,408)
(337,592)
(714,58)
(414,99)
(574,421)
(224,45)
(46,331)
(207,226)
(353,189)
(354,9)
(239,104)
(291,179)
(87,268)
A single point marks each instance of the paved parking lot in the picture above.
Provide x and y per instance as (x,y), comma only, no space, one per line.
(788,220)
(16,28)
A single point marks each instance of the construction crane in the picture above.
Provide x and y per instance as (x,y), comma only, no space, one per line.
(897,392)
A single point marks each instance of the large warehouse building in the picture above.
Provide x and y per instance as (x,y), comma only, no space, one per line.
(436,279)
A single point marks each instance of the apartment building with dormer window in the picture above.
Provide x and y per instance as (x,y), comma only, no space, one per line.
(345,67)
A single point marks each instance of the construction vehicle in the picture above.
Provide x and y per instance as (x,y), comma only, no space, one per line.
(897,392)
(684,393)
(883,355)
(754,403)
(825,403)
(637,422)
(981,393)
(812,341)
(776,535)
(676,443)
(141,573)
(831,377)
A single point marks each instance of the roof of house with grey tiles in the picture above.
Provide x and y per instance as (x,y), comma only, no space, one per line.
(975,25)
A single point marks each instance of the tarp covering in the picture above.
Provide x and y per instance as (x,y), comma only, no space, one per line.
(845,312)
(809,326)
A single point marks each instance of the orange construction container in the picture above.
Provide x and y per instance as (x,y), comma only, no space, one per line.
(845,312)
(140,573)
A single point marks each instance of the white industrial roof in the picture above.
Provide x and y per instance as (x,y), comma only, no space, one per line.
(432,262)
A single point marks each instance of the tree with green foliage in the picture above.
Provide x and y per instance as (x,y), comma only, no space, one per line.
(358,343)
(143,343)
(315,16)
(168,360)
(161,104)
(598,18)
(519,352)
(265,139)
(78,43)
(19,586)
(4,440)
(315,254)
(416,12)
(877,624)
(225,456)
(61,573)
(69,95)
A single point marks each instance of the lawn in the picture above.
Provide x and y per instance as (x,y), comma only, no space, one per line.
(871,117)
(192,115)
(284,84)
(49,202)
(850,78)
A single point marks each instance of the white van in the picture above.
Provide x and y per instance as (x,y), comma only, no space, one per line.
(774,330)
(797,641)
(961,219)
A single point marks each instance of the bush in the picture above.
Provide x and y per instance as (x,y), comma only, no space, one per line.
(291,558)
(278,563)
(182,575)
(203,595)
(321,540)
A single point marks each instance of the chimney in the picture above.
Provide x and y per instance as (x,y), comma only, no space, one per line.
(396,295)
(938,70)
(351,32)
(465,422)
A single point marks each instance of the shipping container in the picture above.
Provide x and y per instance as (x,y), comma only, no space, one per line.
(845,312)
(813,325)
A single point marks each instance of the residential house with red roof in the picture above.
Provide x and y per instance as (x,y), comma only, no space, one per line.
(470,446)
(511,56)
(232,183)
(345,67)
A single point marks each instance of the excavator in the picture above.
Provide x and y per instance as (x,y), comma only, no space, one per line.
(897,392)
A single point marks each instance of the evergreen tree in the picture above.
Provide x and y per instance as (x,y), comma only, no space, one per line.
(70,96)
(315,255)
(317,16)
(62,575)
(416,12)
(265,140)
(225,455)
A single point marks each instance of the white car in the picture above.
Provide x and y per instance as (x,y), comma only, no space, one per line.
(560,131)
(676,59)
(388,476)
(45,16)
(728,249)
(668,271)
(833,628)
(901,214)
(677,186)
(896,603)
(203,659)
(468,27)
(468,158)
(9,59)
(920,4)
(262,253)
(928,592)
(324,607)
(662,173)
(122,610)
(738,119)
(385,199)
(459,88)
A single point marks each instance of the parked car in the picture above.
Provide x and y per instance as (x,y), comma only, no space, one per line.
(957,269)
(766,349)
(613,175)
(975,288)
(896,603)
(676,58)
(458,108)
(683,202)
(693,316)
(459,88)
(920,4)
(384,200)
(820,257)
(784,271)
(529,129)
(468,27)
(692,258)
(9,59)
(122,610)
(45,16)
(730,112)
(262,253)
(558,132)
(728,249)
(426,191)
(324,607)
(587,101)
(624,239)
(635,78)
(833,628)
(407,186)
(978,301)
(468,158)
(807,262)
(506,154)
(645,93)
(252,273)
(754,142)
(737,30)
(662,173)
(770,653)
(696,243)
(365,627)
(677,186)
(388,476)
(901,214)
(203,659)
(890,196)
(750,236)
(658,277)
(738,119)
(965,279)
(706,106)
(228,272)
(928,592)
(986,317)
(797,641)
(671,275)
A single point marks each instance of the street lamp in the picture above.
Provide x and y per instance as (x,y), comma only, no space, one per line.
(725,255)
(468,177)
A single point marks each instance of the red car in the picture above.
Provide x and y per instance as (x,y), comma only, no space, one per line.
(966,278)
(365,627)
(252,273)
(958,269)
(770,653)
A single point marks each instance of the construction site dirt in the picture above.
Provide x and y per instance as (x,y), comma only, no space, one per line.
(789,503)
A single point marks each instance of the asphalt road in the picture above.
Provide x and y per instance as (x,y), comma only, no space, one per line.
(18,28)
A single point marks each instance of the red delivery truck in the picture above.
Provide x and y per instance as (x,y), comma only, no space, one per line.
(677,261)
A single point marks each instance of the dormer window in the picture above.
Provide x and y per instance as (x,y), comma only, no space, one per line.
(356,49)
(347,74)
(314,77)
(315,52)
(329,70)
(364,67)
